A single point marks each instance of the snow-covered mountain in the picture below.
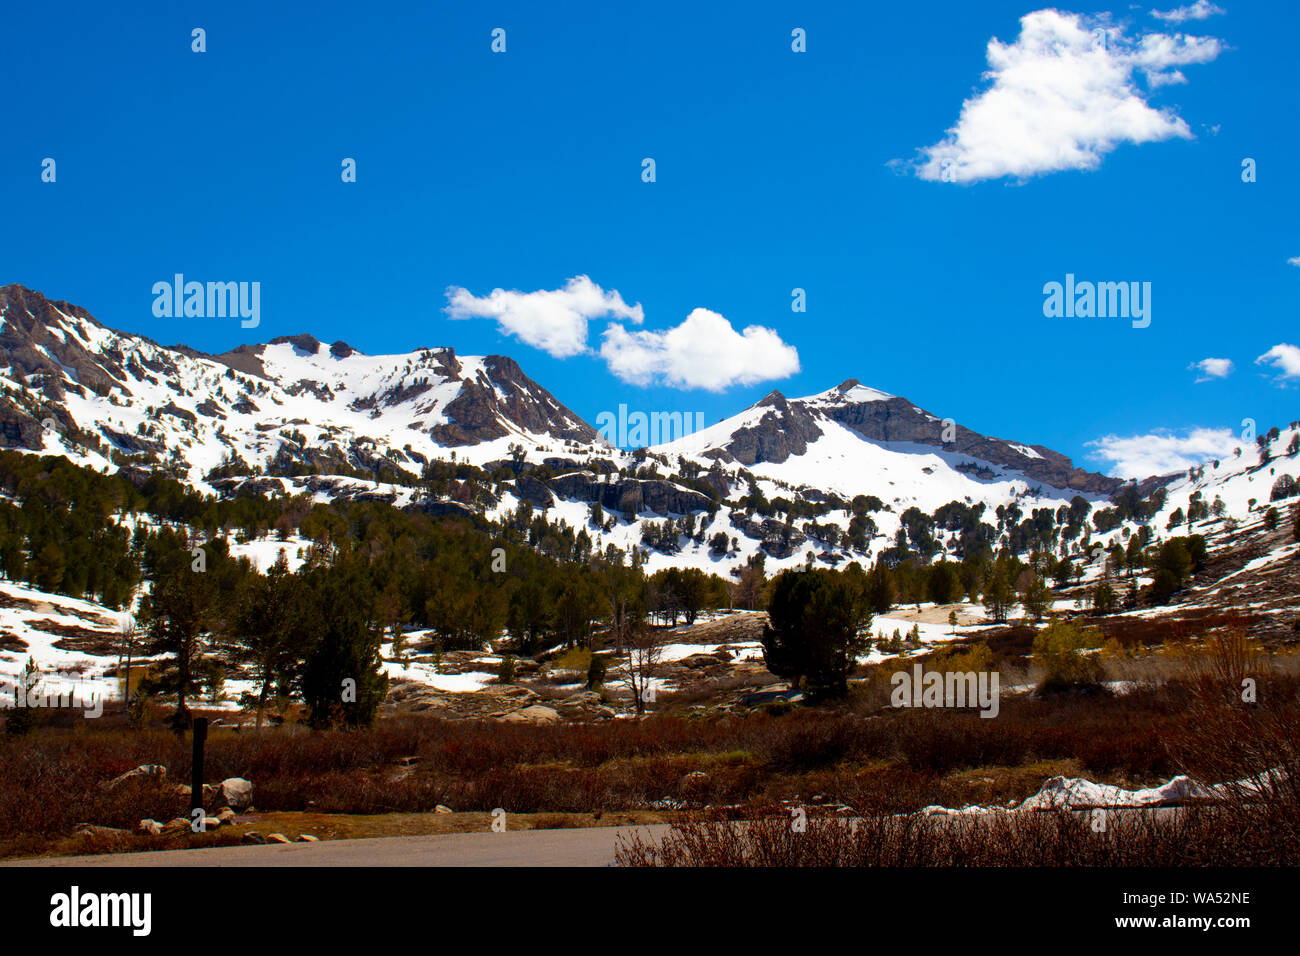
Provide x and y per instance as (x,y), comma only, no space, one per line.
(73,386)
(852,436)
(293,405)
(295,415)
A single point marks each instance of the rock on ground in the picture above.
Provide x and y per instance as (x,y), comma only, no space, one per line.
(237,792)
(533,714)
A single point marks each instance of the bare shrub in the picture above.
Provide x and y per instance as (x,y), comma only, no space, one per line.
(1197,836)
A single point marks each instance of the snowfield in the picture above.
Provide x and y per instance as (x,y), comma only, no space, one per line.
(29,615)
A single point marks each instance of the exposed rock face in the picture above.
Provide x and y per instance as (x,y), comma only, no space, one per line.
(473,418)
(137,476)
(504,395)
(134,444)
(55,349)
(307,344)
(440,509)
(789,426)
(250,487)
(26,338)
(18,427)
(898,420)
(534,492)
(600,465)
(184,414)
(784,431)
(245,358)
(630,494)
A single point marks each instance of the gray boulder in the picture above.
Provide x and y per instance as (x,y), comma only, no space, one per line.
(237,792)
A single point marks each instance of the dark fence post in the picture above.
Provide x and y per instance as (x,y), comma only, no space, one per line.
(196,764)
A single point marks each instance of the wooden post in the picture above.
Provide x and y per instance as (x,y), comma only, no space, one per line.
(196,763)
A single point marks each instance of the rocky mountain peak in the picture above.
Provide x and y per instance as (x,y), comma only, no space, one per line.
(788,428)
(307,344)
(331,408)
(256,405)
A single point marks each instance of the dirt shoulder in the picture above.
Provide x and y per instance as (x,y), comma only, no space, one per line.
(323,826)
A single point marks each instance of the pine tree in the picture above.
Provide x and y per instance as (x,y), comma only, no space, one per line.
(178,614)
(271,627)
(342,679)
(813,631)
(47,568)
(1063,572)
(999,591)
(1104,599)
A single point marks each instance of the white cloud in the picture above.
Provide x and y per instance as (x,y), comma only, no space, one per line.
(703,352)
(1162,452)
(1062,97)
(1157,80)
(1294,261)
(1200,10)
(1285,358)
(552,320)
(1212,368)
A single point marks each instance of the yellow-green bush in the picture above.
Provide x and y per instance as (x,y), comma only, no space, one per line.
(1059,650)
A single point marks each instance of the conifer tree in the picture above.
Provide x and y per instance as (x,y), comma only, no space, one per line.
(342,679)
(178,615)
(270,624)
(813,632)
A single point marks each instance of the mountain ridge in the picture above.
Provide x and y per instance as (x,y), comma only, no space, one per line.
(57,349)
(838,475)
(504,396)
(789,425)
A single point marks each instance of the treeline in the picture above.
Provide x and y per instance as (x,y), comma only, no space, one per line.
(1005,580)
(314,635)
(373,572)
(819,619)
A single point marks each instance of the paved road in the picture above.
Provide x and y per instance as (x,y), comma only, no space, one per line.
(591,846)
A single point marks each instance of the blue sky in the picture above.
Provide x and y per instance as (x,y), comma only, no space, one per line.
(775,170)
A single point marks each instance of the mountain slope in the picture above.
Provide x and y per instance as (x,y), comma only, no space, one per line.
(853,439)
(103,396)
(331,421)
